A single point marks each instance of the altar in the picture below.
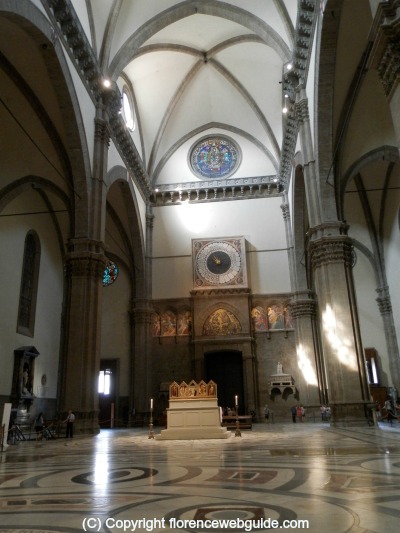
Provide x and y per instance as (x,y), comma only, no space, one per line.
(193,413)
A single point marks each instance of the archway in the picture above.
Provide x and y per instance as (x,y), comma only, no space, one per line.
(225,367)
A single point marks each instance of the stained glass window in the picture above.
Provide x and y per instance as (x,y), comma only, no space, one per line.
(127,109)
(215,157)
(110,274)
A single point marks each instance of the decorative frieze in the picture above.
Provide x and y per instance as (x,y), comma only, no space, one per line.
(219,292)
(385,39)
(389,66)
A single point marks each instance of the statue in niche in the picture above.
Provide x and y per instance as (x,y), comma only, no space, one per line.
(26,388)
(279,368)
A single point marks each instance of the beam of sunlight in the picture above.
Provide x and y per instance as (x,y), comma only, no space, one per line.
(101,467)
(305,366)
(341,345)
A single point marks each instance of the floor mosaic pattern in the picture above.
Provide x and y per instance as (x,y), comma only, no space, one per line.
(331,480)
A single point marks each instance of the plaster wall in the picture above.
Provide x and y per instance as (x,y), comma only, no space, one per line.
(115,328)
(254,161)
(46,336)
(260,222)
(392,257)
(371,323)
(81,10)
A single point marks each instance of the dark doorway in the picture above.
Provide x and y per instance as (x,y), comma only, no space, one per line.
(107,393)
(225,367)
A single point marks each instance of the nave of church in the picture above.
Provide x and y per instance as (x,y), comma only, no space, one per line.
(304,477)
(198,190)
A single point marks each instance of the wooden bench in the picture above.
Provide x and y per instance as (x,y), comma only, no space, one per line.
(245,421)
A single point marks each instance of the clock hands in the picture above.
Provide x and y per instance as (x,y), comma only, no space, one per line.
(216,259)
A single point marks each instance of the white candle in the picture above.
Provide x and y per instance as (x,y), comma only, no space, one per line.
(236,400)
(151,403)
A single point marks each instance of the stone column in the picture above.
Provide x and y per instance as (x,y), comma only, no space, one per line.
(249,380)
(312,383)
(331,258)
(143,388)
(80,368)
(289,239)
(142,315)
(85,263)
(385,309)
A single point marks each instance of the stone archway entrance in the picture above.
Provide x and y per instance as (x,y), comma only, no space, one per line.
(225,367)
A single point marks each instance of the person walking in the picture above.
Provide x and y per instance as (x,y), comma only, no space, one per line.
(70,424)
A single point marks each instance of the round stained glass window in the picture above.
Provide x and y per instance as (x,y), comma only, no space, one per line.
(110,274)
(215,157)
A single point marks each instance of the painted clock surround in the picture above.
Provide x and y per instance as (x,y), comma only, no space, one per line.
(219,263)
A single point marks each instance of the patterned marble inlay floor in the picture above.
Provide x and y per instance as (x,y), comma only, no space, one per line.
(331,480)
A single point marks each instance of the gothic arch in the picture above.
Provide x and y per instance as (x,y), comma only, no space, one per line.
(73,151)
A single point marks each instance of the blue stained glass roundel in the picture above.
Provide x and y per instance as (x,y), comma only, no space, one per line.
(110,273)
(215,157)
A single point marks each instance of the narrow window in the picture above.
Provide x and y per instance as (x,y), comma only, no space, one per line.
(29,285)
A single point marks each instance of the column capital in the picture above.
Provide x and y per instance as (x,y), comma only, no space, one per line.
(304,304)
(85,258)
(384,301)
(141,311)
(328,250)
(302,112)
(285,211)
(303,309)
(102,131)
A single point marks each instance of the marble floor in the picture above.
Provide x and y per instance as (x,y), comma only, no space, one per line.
(289,476)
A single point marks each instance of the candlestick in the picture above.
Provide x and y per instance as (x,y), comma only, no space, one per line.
(151,432)
(237,432)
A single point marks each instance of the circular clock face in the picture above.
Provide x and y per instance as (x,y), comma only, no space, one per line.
(219,263)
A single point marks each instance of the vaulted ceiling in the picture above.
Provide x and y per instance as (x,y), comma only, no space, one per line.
(196,68)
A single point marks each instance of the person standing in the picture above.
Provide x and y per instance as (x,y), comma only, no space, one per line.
(39,425)
(300,413)
(293,410)
(70,424)
(389,410)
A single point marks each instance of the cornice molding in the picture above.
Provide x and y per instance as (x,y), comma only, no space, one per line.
(216,190)
(306,20)
(385,53)
(70,31)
